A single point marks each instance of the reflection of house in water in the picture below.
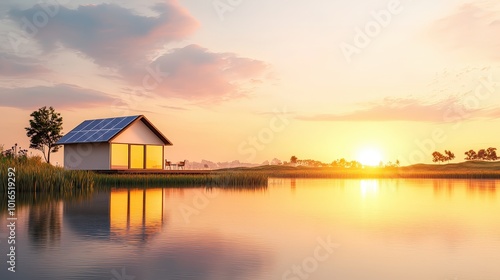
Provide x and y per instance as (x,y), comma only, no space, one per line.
(133,215)
(136,213)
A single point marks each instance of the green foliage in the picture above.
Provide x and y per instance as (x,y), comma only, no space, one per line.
(219,179)
(39,182)
(34,176)
(45,130)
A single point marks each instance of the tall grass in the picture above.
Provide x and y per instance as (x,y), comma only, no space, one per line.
(38,183)
(34,176)
(457,171)
(220,180)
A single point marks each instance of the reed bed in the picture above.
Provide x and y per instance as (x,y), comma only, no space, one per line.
(33,176)
(41,198)
(220,180)
(423,172)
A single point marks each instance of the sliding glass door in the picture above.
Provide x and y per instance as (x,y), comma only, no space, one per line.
(136,156)
(133,156)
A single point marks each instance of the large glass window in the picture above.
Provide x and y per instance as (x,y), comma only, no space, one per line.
(137,156)
(119,156)
(154,157)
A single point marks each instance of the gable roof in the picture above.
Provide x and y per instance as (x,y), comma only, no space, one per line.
(105,130)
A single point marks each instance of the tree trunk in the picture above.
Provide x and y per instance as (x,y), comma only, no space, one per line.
(44,155)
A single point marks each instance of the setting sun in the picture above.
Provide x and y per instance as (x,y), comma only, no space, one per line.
(369,156)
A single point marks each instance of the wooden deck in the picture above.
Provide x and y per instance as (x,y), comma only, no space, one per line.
(156,172)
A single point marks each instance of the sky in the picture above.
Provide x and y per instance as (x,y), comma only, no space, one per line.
(255,80)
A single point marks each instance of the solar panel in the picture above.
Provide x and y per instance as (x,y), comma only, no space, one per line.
(111,123)
(101,130)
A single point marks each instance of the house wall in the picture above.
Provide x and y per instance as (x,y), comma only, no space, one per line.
(88,156)
(138,133)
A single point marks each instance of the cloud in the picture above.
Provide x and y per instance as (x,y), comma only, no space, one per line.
(108,34)
(410,109)
(115,37)
(173,108)
(58,96)
(472,28)
(16,66)
(193,72)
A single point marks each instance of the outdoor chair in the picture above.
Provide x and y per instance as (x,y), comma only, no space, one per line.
(181,164)
(168,164)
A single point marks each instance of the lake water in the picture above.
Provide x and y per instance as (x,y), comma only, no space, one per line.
(293,229)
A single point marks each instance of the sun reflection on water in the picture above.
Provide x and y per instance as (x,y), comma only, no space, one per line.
(369,187)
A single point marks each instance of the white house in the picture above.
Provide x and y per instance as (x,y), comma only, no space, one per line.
(122,143)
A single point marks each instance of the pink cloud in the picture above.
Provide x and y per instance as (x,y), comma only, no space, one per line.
(193,72)
(19,67)
(59,96)
(118,38)
(473,28)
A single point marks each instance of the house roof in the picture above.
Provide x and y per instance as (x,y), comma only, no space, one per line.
(105,130)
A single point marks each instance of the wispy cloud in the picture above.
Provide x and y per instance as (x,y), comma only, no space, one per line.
(59,96)
(173,108)
(473,28)
(409,109)
(12,66)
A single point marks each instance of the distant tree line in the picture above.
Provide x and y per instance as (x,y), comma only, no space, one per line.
(342,163)
(483,154)
(316,163)
(439,157)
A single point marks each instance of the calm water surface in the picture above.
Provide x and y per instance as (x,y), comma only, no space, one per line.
(294,229)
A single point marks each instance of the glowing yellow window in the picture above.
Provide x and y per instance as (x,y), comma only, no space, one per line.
(137,156)
(154,157)
(119,156)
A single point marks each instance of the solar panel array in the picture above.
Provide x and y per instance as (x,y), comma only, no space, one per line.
(101,130)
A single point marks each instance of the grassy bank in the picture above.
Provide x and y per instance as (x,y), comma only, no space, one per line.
(258,176)
(39,183)
(217,179)
(34,176)
(464,170)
